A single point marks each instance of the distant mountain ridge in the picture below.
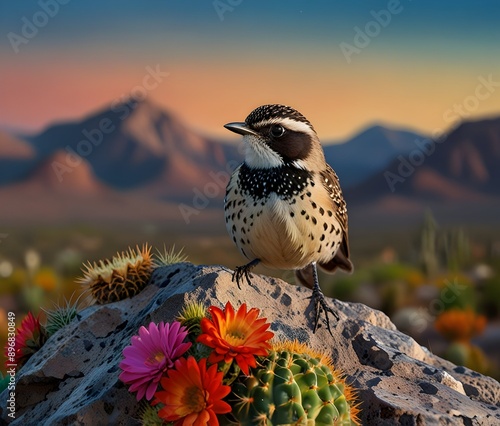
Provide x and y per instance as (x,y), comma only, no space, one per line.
(131,148)
(128,147)
(368,152)
(140,156)
(17,158)
(463,166)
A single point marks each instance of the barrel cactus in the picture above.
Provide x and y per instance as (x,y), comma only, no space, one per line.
(294,386)
(125,275)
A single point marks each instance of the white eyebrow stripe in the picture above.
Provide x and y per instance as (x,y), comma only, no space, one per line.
(293,125)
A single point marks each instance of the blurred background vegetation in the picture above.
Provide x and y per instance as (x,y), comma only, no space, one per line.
(166,76)
(439,285)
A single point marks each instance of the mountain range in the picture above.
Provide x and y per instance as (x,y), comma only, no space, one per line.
(366,153)
(461,167)
(136,160)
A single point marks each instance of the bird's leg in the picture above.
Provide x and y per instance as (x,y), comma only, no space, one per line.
(320,303)
(244,271)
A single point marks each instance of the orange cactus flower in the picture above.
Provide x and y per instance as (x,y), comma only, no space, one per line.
(239,336)
(460,325)
(193,394)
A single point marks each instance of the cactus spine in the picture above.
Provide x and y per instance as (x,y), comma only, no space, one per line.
(294,386)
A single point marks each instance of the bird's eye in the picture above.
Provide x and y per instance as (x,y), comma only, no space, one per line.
(277,130)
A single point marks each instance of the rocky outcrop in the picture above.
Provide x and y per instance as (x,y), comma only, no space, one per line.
(73,379)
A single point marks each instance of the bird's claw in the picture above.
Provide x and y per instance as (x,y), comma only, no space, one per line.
(320,305)
(241,272)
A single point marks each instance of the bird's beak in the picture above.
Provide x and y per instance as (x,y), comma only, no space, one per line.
(240,128)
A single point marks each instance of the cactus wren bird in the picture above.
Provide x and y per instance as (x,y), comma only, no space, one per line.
(284,207)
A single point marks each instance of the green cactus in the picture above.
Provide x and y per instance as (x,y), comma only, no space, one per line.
(191,315)
(169,257)
(61,315)
(428,245)
(294,386)
(456,248)
(149,415)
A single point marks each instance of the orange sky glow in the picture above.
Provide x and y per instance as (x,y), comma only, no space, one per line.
(216,74)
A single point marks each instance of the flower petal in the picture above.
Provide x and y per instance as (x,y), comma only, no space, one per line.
(149,356)
(240,336)
(192,393)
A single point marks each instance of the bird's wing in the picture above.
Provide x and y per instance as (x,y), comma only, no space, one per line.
(331,183)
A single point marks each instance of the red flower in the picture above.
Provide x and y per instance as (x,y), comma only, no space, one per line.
(240,337)
(192,394)
(30,337)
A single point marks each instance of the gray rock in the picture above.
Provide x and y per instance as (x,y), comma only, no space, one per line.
(73,379)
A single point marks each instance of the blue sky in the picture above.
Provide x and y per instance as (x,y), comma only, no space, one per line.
(425,60)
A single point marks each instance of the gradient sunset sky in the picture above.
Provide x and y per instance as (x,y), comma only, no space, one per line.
(429,58)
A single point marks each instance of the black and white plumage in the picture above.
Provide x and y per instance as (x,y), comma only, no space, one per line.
(284,206)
